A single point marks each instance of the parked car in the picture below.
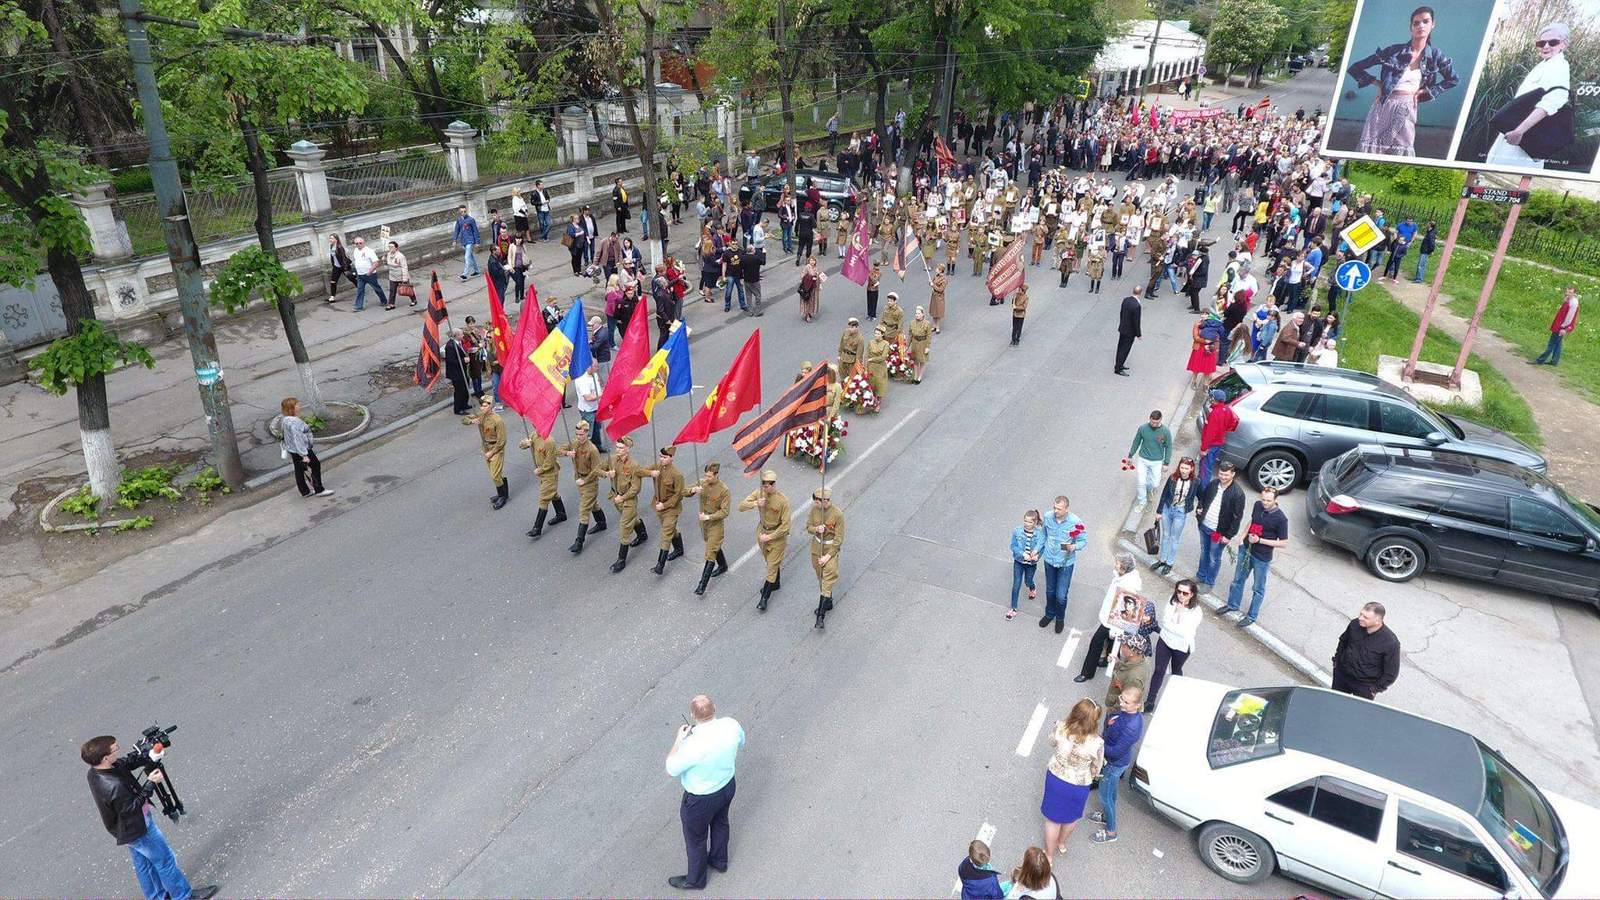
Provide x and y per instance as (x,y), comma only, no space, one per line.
(837,191)
(1406,512)
(1356,797)
(1294,417)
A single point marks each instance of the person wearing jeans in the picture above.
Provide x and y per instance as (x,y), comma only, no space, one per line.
(124,808)
(1124,726)
(1179,622)
(1027,542)
(365,264)
(1269,529)
(1566,319)
(1425,250)
(1177,501)
(466,235)
(1063,538)
(1218,511)
(1151,453)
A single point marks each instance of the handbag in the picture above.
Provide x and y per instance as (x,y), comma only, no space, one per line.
(405,289)
(1152,537)
(566,240)
(1550,136)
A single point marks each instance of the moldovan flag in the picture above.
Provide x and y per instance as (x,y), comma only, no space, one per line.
(855,258)
(665,375)
(516,367)
(738,391)
(429,363)
(941,152)
(1007,274)
(630,358)
(563,352)
(803,404)
(499,325)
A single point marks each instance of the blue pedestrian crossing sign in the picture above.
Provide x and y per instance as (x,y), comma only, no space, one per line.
(1353,275)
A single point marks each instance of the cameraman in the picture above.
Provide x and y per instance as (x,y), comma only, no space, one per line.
(124,806)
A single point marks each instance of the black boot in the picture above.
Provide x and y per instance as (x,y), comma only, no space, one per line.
(639,534)
(538,523)
(561,511)
(577,545)
(677,547)
(822,611)
(501,493)
(722,565)
(705,579)
(622,558)
(766,594)
(777,582)
(599,521)
(661,562)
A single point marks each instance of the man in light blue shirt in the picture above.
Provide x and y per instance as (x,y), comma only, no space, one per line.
(702,759)
(1063,538)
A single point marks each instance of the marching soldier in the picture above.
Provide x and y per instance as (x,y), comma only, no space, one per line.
(893,316)
(668,504)
(714,497)
(952,248)
(772,531)
(1156,246)
(546,464)
(587,464)
(878,364)
(625,476)
(850,345)
(825,524)
(492,436)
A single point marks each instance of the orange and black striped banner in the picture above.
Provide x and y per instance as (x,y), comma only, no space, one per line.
(803,404)
(428,360)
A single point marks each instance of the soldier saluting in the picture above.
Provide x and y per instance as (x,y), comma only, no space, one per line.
(587,464)
(825,524)
(772,531)
(668,504)
(714,501)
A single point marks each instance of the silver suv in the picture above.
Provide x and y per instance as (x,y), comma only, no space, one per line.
(1294,417)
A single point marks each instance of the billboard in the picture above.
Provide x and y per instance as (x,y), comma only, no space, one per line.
(1507,86)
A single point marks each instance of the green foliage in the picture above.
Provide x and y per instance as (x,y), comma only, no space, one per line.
(137,523)
(70,361)
(315,423)
(33,224)
(1243,32)
(208,482)
(1337,16)
(1429,183)
(83,504)
(251,272)
(151,482)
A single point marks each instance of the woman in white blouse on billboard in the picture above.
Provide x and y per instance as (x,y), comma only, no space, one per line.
(1554,75)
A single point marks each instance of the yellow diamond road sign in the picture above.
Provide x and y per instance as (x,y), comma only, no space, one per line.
(1362,235)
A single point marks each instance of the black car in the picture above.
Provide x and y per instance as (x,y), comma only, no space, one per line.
(837,191)
(1406,511)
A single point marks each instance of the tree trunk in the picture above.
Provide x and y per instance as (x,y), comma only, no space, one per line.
(94,415)
(644,147)
(594,117)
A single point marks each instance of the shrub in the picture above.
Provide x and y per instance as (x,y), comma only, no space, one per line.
(139,485)
(82,504)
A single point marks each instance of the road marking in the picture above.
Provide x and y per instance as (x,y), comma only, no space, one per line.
(804,507)
(985,834)
(1031,733)
(1069,648)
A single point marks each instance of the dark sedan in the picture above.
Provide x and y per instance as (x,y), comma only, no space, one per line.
(837,191)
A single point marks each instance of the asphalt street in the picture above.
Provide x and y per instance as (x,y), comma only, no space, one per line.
(397,693)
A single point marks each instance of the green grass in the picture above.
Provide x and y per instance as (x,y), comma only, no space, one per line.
(1377,324)
(1525,300)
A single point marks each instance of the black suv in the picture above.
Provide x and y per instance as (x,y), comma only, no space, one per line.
(837,191)
(1406,511)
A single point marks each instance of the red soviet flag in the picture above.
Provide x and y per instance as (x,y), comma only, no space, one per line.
(499,325)
(515,386)
(737,392)
(631,358)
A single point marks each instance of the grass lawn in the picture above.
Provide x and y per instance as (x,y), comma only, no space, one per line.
(1378,324)
(1525,300)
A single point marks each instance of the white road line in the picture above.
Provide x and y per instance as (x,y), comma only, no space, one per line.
(985,834)
(804,507)
(1069,648)
(1031,733)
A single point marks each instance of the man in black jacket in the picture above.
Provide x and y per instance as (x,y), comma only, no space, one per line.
(1128,329)
(125,809)
(1218,510)
(1367,659)
(455,369)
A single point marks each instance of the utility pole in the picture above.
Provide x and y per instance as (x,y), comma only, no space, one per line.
(1150,61)
(184,254)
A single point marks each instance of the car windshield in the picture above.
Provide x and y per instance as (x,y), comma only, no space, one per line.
(1451,427)
(1518,817)
(1590,515)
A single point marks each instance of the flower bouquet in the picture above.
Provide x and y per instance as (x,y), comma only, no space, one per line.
(809,443)
(899,361)
(858,394)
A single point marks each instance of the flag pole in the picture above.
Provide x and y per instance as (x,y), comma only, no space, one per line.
(694,408)
(564,427)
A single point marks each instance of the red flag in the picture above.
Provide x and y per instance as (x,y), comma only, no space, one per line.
(1007,274)
(499,325)
(516,388)
(631,357)
(856,267)
(941,152)
(429,362)
(738,391)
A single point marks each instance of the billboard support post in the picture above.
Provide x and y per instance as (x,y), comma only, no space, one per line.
(1410,370)
(1488,285)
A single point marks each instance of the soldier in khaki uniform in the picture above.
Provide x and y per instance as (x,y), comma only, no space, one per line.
(850,345)
(492,437)
(587,464)
(978,246)
(626,477)
(668,504)
(952,248)
(877,364)
(772,531)
(547,465)
(893,316)
(714,502)
(825,524)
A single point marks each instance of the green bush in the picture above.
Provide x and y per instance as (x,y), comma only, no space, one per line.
(139,485)
(1429,183)
(137,523)
(82,504)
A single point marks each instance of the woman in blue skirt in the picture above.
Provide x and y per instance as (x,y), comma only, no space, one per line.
(1078,758)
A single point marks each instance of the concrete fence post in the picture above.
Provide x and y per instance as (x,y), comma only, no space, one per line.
(311,179)
(461,141)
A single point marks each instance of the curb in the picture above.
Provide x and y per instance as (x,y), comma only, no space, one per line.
(274,424)
(360,441)
(44,516)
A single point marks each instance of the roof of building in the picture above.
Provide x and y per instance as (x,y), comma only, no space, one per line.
(1130,49)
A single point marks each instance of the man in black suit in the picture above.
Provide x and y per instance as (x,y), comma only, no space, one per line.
(455,369)
(1128,328)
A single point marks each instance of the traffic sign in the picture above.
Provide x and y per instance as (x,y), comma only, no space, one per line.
(1353,275)
(1362,235)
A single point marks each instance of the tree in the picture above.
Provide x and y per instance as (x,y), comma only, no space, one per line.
(1243,33)
(38,112)
(1336,18)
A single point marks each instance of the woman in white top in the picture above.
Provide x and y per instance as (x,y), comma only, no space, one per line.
(1124,581)
(1033,878)
(1179,622)
(519,213)
(399,275)
(1552,74)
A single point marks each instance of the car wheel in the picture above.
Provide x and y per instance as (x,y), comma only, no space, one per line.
(1396,559)
(1240,856)
(1276,469)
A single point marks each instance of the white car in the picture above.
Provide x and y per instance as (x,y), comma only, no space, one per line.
(1356,797)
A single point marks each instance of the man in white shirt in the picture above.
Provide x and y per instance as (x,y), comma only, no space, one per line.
(702,759)
(588,388)
(365,263)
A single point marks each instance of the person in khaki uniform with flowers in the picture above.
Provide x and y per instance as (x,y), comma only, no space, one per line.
(825,525)
(714,500)
(772,531)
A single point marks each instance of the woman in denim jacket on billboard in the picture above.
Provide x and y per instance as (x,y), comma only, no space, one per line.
(1408,74)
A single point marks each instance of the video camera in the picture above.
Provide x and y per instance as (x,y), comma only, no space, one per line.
(146,757)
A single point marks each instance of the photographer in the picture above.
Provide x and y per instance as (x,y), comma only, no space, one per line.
(124,806)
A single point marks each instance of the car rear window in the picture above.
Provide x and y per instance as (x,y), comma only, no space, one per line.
(1249,725)
(1231,385)
(1348,471)
(1289,404)
(1407,493)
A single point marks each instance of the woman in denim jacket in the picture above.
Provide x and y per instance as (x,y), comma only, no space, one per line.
(1408,74)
